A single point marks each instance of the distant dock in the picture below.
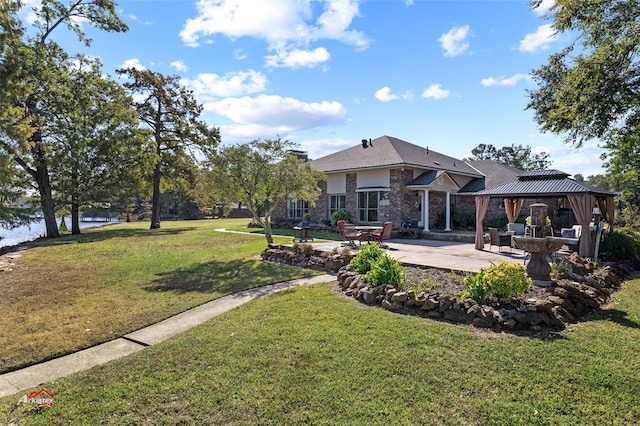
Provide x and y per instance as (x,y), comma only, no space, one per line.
(98,217)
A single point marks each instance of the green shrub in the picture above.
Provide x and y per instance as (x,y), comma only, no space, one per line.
(339,215)
(386,270)
(368,254)
(621,244)
(560,270)
(631,232)
(459,219)
(502,281)
(474,287)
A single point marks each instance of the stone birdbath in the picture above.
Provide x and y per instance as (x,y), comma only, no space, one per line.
(538,268)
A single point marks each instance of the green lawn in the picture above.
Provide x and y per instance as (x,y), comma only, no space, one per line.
(303,356)
(310,356)
(77,291)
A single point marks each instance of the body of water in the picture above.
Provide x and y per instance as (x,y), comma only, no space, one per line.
(21,234)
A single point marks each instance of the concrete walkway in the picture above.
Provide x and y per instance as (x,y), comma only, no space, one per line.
(29,377)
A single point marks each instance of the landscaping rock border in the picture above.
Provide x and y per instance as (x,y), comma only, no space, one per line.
(567,300)
(305,256)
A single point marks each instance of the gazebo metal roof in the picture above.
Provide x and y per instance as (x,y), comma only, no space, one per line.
(542,183)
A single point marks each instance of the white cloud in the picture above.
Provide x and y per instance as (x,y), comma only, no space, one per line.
(210,86)
(408,2)
(240,55)
(385,95)
(435,91)
(455,42)
(544,7)
(178,65)
(284,114)
(585,160)
(133,63)
(505,81)
(297,58)
(287,27)
(540,40)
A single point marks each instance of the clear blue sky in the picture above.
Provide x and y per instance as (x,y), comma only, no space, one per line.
(444,74)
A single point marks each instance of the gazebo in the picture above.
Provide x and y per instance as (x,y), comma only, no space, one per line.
(545,184)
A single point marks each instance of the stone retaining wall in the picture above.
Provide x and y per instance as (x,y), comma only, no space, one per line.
(565,301)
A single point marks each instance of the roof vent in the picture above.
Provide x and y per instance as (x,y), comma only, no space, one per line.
(364,143)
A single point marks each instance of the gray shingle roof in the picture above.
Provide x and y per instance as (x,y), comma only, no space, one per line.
(387,151)
(542,183)
(495,173)
(425,178)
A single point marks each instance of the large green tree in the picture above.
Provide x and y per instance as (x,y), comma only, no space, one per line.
(517,156)
(100,152)
(591,89)
(172,114)
(260,174)
(31,70)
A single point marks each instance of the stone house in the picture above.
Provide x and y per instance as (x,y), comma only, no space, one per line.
(388,179)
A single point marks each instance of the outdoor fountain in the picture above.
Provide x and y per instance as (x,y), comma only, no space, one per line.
(539,247)
(538,268)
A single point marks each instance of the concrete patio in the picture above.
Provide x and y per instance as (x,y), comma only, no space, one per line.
(443,254)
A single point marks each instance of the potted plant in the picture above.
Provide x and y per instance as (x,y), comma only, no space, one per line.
(306,219)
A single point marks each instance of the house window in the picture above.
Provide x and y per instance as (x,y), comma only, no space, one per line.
(336,202)
(297,208)
(373,206)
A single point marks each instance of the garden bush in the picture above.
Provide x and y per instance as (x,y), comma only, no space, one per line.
(339,215)
(367,255)
(621,244)
(459,219)
(378,266)
(386,270)
(502,281)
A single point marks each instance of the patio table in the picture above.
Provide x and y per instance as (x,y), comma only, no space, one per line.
(367,230)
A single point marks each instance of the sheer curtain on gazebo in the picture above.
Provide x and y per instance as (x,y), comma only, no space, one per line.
(482,204)
(582,206)
(512,207)
(607,210)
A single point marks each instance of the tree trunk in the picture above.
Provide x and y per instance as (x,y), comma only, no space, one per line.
(75,216)
(75,206)
(266,225)
(155,199)
(44,189)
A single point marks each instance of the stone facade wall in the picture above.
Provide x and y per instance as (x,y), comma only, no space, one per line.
(319,211)
(403,202)
(437,205)
(352,196)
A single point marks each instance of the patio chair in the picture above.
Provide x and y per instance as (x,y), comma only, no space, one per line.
(499,240)
(384,234)
(572,235)
(410,228)
(349,233)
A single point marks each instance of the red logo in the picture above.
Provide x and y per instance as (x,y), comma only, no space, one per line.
(42,397)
